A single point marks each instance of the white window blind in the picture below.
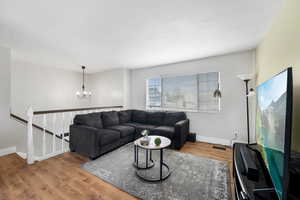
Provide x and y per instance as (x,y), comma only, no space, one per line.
(180,92)
(154,92)
(190,92)
(208,83)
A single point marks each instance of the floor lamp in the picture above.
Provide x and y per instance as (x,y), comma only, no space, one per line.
(249,92)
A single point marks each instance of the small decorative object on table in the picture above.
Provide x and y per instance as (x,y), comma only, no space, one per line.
(157,141)
(145,140)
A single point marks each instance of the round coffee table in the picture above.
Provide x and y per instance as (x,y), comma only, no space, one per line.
(165,142)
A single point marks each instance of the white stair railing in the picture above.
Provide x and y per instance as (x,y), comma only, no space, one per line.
(30,149)
(48,131)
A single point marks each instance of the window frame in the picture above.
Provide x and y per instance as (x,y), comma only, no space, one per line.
(147,94)
(148,107)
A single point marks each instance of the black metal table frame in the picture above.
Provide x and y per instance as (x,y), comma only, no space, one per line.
(136,159)
(147,166)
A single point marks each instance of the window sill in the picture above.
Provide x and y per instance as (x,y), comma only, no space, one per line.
(182,110)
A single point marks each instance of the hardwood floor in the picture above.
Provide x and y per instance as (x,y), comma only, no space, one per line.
(60,177)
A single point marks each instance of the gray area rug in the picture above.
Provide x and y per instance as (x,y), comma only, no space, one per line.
(192,177)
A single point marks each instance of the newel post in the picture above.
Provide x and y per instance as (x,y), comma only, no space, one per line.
(30,149)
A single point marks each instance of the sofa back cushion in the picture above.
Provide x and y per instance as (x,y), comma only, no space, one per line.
(110,118)
(91,119)
(171,118)
(125,116)
(139,116)
(155,118)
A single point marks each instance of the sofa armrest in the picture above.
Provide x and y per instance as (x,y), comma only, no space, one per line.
(84,140)
(182,129)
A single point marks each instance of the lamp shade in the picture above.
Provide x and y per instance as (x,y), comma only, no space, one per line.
(244,77)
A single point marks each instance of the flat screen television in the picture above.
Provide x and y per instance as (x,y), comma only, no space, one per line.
(273,127)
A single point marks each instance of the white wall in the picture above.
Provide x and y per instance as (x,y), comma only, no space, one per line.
(46,88)
(108,87)
(211,127)
(7,136)
(127,88)
(43,88)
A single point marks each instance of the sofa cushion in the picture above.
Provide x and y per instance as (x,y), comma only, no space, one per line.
(132,124)
(124,130)
(108,136)
(110,118)
(166,131)
(139,116)
(155,118)
(171,118)
(125,116)
(142,127)
(91,119)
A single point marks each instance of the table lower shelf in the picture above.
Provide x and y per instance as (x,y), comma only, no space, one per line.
(153,175)
(144,165)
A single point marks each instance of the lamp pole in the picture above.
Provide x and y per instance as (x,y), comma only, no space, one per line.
(249,92)
(247,102)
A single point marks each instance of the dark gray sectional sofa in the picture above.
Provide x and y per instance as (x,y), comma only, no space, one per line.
(97,133)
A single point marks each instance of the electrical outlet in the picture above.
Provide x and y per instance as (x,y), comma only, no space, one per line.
(235,133)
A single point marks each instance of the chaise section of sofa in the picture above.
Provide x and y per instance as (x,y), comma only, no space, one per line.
(97,133)
(175,126)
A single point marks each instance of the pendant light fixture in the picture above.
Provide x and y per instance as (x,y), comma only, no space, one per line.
(83,93)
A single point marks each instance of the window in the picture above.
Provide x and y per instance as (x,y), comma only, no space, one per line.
(190,93)
(207,84)
(180,92)
(154,92)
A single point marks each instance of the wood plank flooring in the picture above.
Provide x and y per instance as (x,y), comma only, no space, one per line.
(60,177)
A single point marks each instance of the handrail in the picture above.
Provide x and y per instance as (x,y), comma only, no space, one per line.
(34,125)
(73,110)
(26,122)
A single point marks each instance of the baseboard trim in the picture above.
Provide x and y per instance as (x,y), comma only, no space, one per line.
(8,150)
(22,155)
(213,140)
(238,141)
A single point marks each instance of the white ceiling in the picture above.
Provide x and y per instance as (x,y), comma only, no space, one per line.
(130,33)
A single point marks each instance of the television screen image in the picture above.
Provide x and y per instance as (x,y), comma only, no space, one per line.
(271,130)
